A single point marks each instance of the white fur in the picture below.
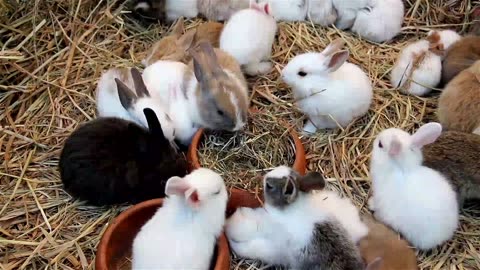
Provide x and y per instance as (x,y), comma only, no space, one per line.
(447,37)
(414,200)
(291,10)
(343,94)
(321,12)
(248,36)
(179,236)
(347,11)
(381,21)
(181,8)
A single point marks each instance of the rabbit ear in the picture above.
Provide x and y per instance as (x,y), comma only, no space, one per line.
(127,97)
(176,186)
(205,63)
(178,28)
(334,46)
(153,124)
(375,264)
(186,40)
(139,84)
(336,60)
(289,189)
(311,181)
(426,134)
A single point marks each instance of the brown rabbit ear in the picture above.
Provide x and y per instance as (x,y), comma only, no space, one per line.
(186,41)
(311,181)
(127,98)
(178,28)
(140,87)
(205,63)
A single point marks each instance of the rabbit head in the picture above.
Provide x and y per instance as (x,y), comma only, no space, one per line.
(440,41)
(396,146)
(308,68)
(202,190)
(136,103)
(221,101)
(282,185)
(262,7)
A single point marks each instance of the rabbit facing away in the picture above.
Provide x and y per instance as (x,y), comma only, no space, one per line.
(321,12)
(380,21)
(183,232)
(460,56)
(459,103)
(418,69)
(456,155)
(382,242)
(347,12)
(248,36)
(111,160)
(417,201)
(290,230)
(329,90)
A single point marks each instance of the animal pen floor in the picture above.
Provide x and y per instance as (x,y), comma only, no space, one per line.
(53,52)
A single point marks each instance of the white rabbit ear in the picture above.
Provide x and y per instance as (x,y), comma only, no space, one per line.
(177,186)
(426,134)
(336,60)
(334,46)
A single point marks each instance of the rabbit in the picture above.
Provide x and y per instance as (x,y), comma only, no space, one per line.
(459,103)
(221,10)
(212,86)
(167,9)
(380,21)
(290,230)
(327,89)
(418,68)
(110,160)
(415,200)
(183,232)
(116,99)
(321,12)
(461,55)
(248,36)
(281,10)
(455,155)
(382,242)
(347,12)
(151,9)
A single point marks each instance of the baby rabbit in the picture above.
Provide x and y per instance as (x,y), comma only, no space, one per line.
(347,12)
(380,21)
(171,9)
(182,233)
(221,10)
(248,36)
(459,103)
(327,89)
(151,9)
(175,46)
(291,230)
(419,66)
(415,200)
(321,12)
(110,160)
(456,155)
(382,242)
(460,56)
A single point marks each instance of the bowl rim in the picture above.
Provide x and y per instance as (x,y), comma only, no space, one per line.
(223,255)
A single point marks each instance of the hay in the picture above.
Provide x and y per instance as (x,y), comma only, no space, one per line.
(243,157)
(52,53)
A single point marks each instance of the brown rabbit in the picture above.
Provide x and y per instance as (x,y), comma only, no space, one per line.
(174,47)
(387,244)
(459,103)
(456,155)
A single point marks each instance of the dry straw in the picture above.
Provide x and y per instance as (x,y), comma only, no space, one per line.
(53,51)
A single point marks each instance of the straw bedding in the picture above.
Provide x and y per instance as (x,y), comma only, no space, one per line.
(52,53)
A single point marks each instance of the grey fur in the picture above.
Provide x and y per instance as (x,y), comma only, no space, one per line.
(126,96)
(330,249)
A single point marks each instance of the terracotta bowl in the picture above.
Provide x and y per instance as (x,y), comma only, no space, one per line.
(115,245)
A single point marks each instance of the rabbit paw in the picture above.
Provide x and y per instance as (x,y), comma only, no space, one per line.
(309,128)
(242,225)
(254,69)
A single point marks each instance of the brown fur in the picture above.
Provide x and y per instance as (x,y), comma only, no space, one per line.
(456,155)
(384,243)
(459,103)
(460,56)
(174,47)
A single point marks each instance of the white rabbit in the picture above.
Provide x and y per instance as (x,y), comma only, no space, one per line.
(321,12)
(418,69)
(291,229)
(326,89)
(182,233)
(115,98)
(347,12)
(380,21)
(248,36)
(415,200)
(181,8)
(281,10)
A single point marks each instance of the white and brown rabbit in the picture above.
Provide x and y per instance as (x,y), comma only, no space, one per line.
(291,230)
(415,200)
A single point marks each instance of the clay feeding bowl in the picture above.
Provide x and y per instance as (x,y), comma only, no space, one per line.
(114,250)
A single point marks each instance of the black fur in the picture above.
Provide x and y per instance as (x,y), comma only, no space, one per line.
(154,13)
(110,160)
(330,249)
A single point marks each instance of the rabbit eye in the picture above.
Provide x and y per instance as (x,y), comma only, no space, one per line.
(220,112)
(216,193)
(269,187)
(302,73)
(380,144)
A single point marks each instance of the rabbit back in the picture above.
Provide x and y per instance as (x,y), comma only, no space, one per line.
(460,56)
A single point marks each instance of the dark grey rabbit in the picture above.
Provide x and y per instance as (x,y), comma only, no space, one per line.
(110,160)
(291,230)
